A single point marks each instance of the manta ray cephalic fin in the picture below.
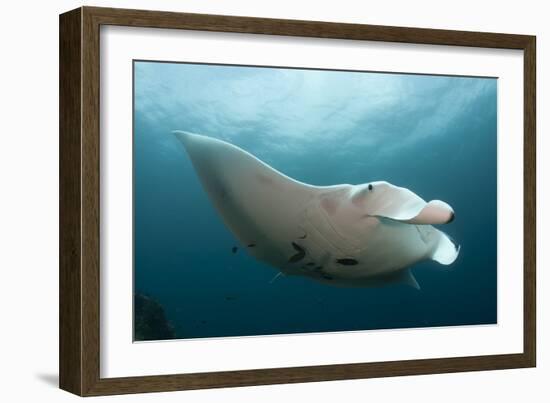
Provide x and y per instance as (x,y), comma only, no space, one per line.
(397,203)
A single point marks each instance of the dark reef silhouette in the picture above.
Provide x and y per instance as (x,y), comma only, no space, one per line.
(150,322)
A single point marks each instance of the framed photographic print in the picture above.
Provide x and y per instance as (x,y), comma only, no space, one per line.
(249,201)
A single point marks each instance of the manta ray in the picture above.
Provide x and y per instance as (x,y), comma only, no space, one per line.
(345,235)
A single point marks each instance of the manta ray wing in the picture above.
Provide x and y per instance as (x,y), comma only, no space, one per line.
(258,204)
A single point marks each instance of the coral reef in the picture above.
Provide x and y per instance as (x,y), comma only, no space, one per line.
(150,321)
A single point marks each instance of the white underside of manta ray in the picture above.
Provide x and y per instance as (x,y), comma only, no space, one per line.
(347,235)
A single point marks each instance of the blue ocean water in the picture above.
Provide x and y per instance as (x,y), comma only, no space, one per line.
(435,135)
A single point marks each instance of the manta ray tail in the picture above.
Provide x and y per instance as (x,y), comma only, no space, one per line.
(276,277)
(408,279)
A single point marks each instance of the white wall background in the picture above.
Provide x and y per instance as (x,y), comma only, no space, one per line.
(29,198)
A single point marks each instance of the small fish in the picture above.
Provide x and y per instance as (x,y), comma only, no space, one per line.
(230,297)
(327,277)
(310,264)
(234,249)
(298,256)
(347,261)
(251,245)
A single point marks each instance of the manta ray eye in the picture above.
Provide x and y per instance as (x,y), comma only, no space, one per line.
(370,186)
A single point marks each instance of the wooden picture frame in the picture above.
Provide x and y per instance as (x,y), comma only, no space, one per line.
(79,200)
